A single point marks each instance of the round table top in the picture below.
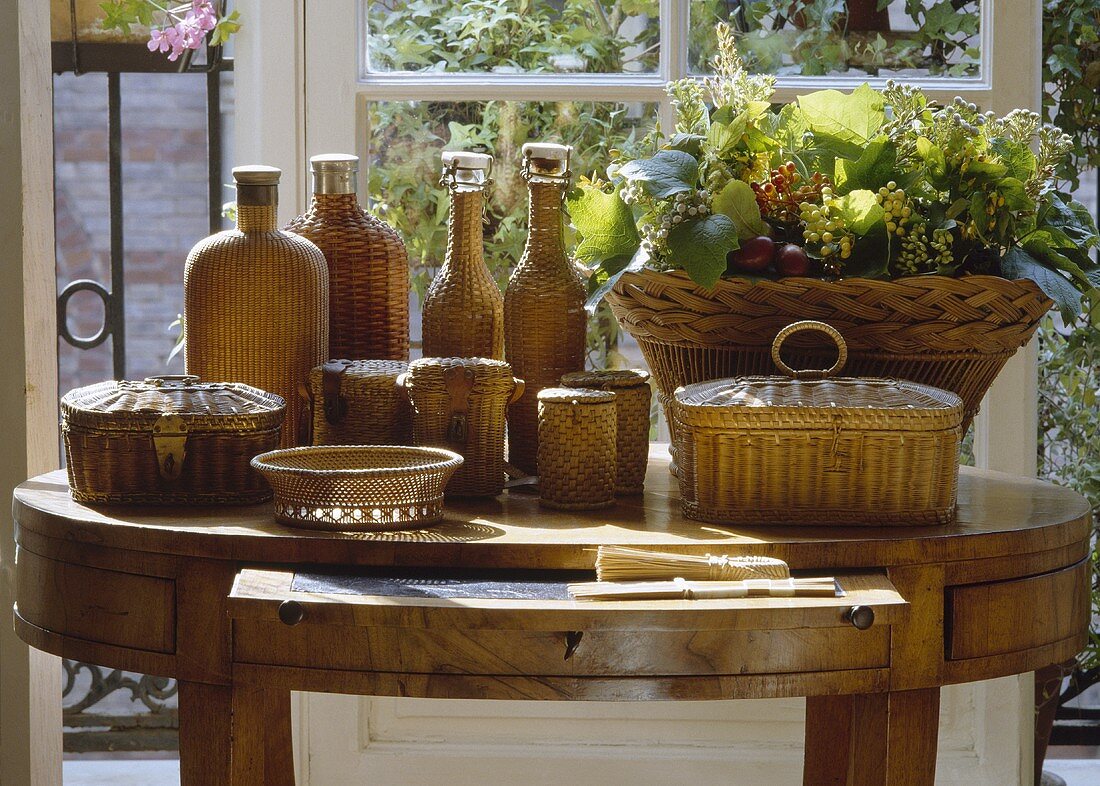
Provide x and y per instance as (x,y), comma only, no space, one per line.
(999,515)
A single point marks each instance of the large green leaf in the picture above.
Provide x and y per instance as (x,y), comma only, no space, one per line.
(845,121)
(861,211)
(1018,263)
(724,136)
(603,280)
(666,173)
(1015,195)
(873,169)
(700,247)
(737,201)
(1072,218)
(604,222)
(1016,156)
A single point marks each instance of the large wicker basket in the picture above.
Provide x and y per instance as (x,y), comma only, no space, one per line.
(951,333)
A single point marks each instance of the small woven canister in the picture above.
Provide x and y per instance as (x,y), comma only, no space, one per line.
(576,448)
(358,402)
(632,404)
(460,404)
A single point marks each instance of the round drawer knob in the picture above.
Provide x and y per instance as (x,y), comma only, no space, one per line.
(862,617)
(291,612)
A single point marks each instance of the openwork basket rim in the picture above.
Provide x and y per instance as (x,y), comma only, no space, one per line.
(297,461)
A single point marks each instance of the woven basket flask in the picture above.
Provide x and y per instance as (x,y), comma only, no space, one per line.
(255,301)
(951,333)
(358,488)
(463,314)
(368,266)
(545,323)
(807,449)
(576,448)
(632,404)
(460,404)
(168,441)
(358,402)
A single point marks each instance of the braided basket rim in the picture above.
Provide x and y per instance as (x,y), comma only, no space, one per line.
(641,302)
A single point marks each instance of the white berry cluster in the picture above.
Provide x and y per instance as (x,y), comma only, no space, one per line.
(667,214)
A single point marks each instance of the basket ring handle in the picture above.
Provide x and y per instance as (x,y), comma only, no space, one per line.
(177,379)
(810,373)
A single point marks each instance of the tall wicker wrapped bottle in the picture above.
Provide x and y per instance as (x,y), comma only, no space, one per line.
(255,301)
(544,317)
(368,267)
(463,309)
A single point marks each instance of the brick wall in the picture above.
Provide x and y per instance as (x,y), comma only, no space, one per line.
(165,209)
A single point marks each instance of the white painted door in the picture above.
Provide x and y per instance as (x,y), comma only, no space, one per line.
(303,87)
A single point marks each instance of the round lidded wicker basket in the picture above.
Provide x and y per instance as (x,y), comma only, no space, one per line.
(632,405)
(168,440)
(576,448)
(460,404)
(951,333)
(358,488)
(359,402)
(810,449)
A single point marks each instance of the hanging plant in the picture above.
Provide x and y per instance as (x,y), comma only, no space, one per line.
(173,28)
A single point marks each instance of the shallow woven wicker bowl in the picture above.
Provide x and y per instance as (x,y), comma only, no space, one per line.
(358,488)
(950,333)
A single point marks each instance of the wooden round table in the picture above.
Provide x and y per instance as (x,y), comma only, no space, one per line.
(242,610)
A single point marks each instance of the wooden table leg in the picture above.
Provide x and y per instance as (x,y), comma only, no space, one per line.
(204,733)
(262,754)
(884,739)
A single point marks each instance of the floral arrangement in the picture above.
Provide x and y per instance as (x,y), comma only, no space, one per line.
(173,28)
(880,184)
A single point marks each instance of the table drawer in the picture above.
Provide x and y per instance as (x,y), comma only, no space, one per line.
(1011,616)
(558,637)
(125,610)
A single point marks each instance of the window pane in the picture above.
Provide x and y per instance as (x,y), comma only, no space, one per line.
(511,36)
(906,38)
(403,151)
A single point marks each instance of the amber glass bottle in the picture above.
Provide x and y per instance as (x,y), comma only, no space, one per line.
(255,300)
(463,308)
(368,267)
(544,316)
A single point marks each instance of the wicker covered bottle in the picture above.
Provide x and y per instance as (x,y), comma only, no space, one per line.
(544,316)
(463,309)
(255,300)
(368,266)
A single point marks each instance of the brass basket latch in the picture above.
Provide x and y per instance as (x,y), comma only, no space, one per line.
(335,405)
(170,443)
(459,381)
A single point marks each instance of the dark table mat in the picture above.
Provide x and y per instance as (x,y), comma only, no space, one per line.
(426,583)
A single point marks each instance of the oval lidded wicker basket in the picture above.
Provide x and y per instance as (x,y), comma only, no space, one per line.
(951,333)
(810,449)
(358,488)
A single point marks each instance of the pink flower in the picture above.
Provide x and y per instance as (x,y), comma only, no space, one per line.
(188,32)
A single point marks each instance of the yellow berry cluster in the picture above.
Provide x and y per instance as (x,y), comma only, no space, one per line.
(823,225)
(898,210)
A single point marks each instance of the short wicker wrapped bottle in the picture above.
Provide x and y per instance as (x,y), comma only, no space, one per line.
(368,266)
(632,405)
(544,318)
(459,404)
(255,301)
(463,308)
(359,402)
(576,448)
